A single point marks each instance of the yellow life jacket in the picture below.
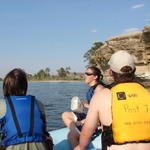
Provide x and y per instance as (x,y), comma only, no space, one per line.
(130,113)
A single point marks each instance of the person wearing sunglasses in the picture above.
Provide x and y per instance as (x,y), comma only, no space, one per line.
(73,120)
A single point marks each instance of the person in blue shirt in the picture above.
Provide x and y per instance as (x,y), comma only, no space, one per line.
(74,120)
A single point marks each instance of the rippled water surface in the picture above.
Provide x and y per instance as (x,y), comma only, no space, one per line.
(56,97)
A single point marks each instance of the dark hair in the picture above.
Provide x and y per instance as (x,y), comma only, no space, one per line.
(15,83)
(96,72)
(127,76)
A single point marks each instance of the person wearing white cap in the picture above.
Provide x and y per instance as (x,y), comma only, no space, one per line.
(124,111)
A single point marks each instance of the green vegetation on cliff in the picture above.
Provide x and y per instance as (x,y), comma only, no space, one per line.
(91,55)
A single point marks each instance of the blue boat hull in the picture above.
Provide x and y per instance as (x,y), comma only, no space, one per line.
(61,143)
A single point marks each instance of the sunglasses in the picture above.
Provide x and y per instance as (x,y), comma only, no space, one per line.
(89,73)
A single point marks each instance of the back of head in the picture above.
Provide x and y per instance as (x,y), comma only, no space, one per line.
(15,83)
(123,66)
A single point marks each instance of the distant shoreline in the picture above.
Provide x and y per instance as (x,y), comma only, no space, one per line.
(56,81)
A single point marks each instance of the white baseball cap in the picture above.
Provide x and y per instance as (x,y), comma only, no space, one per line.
(120,59)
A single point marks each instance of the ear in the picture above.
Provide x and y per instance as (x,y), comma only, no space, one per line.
(95,77)
(110,72)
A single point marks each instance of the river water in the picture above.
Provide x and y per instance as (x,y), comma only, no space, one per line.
(56,97)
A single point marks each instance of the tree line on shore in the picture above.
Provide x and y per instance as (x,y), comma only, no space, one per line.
(46,75)
(62,74)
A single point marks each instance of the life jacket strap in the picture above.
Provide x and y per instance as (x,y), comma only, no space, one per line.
(14,117)
(31,116)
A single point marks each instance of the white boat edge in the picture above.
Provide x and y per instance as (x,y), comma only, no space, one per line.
(61,143)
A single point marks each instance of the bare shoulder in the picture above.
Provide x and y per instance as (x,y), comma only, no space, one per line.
(2,108)
(102,95)
(103,91)
(99,88)
(2,103)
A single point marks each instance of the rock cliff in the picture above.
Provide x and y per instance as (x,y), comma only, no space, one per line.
(137,44)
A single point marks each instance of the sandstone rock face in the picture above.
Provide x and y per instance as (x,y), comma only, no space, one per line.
(137,44)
